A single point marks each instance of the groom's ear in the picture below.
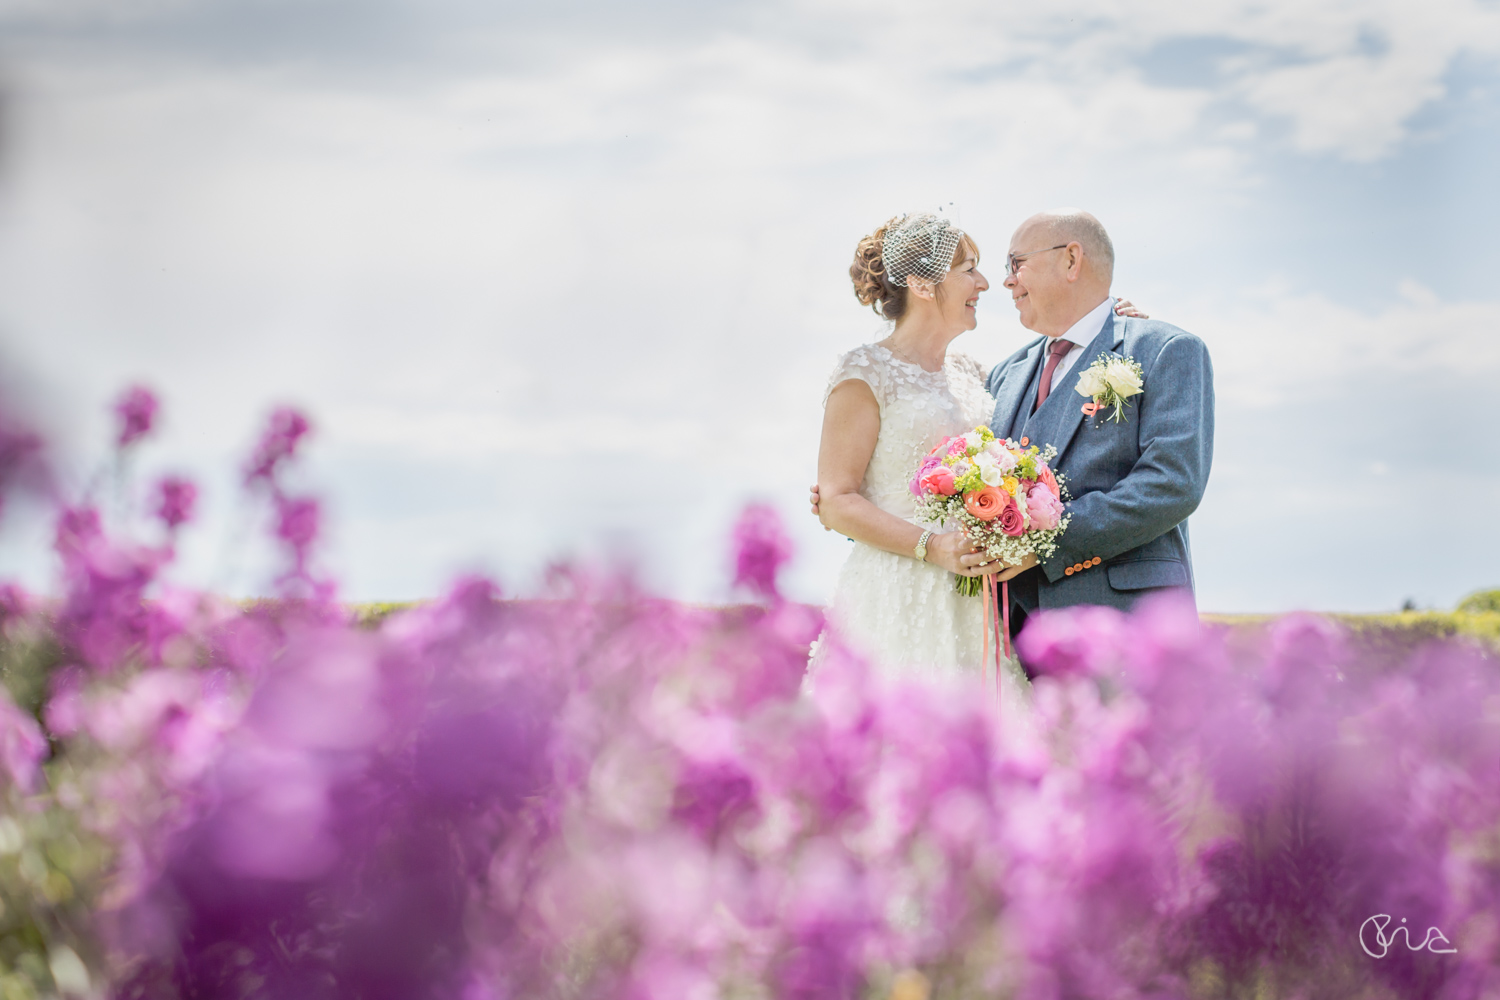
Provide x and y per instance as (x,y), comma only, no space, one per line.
(1073,254)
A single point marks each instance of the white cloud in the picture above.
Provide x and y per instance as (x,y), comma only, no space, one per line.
(639,242)
(1272,346)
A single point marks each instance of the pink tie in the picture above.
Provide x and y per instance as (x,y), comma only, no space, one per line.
(1055,353)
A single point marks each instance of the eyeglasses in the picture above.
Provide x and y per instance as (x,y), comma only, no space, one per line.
(1013,261)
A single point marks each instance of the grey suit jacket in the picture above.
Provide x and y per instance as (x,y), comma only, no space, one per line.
(1133,483)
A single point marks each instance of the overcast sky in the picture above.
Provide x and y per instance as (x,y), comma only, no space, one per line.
(569,277)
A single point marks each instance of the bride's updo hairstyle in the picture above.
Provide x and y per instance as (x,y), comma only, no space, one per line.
(920,246)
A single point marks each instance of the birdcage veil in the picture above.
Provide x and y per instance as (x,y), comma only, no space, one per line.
(920,245)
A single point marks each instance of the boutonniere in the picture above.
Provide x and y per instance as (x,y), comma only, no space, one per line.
(1109,381)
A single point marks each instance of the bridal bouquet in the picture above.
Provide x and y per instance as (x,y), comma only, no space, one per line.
(1003,496)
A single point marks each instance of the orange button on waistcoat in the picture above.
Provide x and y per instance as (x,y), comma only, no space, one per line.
(1068,571)
(1025,441)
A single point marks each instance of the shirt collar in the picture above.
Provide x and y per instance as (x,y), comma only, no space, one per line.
(1085,330)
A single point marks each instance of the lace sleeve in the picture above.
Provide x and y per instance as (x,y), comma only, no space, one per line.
(864,365)
(970,368)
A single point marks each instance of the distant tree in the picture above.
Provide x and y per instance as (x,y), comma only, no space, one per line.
(1480,602)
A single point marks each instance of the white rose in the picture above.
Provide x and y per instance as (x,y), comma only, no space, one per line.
(973,440)
(1005,461)
(991,475)
(1091,383)
(960,469)
(1122,378)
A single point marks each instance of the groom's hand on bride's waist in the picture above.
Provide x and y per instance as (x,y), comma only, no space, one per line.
(812,498)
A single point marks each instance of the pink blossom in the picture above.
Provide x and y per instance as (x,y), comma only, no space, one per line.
(136,409)
(297,521)
(1045,509)
(939,480)
(22,745)
(761,549)
(929,463)
(175,500)
(279,443)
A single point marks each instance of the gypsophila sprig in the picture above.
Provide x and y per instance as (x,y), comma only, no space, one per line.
(1110,381)
(1005,497)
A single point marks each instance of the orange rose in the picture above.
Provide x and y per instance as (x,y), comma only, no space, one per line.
(1047,479)
(986,503)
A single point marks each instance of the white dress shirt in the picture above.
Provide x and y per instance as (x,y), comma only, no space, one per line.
(1081,334)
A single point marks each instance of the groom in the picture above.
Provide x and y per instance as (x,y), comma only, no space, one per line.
(1134,482)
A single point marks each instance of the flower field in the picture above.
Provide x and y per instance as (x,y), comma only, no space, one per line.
(598,793)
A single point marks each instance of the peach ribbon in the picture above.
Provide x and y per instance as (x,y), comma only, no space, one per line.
(997,623)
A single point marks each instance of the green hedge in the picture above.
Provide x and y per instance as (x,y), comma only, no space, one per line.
(1477,618)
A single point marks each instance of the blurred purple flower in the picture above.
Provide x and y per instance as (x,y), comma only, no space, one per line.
(467,798)
(176,498)
(21,461)
(136,409)
(1082,640)
(15,603)
(22,745)
(64,710)
(761,548)
(714,796)
(279,443)
(297,522)
(103,614)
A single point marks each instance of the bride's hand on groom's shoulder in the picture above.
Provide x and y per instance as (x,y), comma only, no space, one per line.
(1124,307)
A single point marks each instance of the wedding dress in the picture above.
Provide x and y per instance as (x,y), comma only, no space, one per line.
(901,614)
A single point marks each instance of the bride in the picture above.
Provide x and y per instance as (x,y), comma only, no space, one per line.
(887,405)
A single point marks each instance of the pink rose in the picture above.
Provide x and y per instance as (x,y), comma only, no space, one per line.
(928,464)
(1045,509)
(1011,520)
(939,480)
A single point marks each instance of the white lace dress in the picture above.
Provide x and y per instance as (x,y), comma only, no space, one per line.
(902,614)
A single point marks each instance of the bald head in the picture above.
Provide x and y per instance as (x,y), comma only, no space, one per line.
(1066,225)
(1064,265)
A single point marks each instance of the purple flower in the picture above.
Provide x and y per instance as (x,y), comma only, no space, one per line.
(22,745)
(103,615)
(175,500)
(136,410)
(64,711)
(1082,640)
(21,463)
(279,443)
(712,796)
(15,603)
(761,548)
